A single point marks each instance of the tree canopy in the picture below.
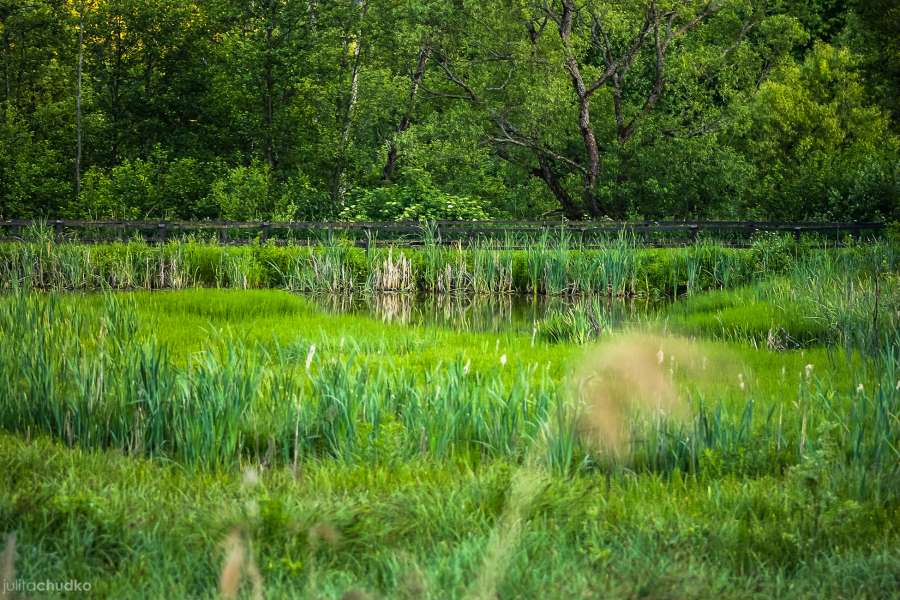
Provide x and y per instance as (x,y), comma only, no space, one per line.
(460,109)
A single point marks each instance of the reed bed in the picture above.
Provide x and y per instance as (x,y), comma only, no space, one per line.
(89,380)
(553,265)
(848,300)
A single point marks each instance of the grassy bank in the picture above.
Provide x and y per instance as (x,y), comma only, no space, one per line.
(551,267)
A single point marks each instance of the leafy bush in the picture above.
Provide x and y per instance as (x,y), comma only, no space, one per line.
(299,200)
(415,199)
(243,193)
(155,187)
(126,191)
(33,176)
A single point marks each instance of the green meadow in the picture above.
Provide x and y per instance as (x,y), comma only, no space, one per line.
(735,435)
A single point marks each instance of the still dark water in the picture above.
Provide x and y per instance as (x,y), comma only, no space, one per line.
(476,313)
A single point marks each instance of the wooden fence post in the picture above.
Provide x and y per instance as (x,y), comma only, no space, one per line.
(57,227)
(161,233)
(263,232)
(694,229)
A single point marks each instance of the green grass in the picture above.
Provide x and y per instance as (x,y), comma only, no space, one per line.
(429,461)
(421,529)
(826,306)
(212,377)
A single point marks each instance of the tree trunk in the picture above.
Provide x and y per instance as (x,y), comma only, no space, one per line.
(78,99)
(337,183)
(592,169)
(592,172)
(6,59)
(418,75)
(546,173)
(269,80)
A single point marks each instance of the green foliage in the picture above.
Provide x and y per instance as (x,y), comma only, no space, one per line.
(287,110)
(821,140)
(299,200)
(243,193)
(415,199)
(158,187)
(33,177)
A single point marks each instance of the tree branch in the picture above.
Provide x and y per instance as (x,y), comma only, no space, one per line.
(456,80)
(623,63)
(516,138)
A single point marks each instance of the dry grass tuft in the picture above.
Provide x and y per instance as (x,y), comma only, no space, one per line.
(413,585)
(632,374)
(238,561)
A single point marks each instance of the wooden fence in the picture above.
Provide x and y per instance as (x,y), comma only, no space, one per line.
(506,233)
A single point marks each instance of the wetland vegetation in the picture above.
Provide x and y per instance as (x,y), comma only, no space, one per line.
(738,442)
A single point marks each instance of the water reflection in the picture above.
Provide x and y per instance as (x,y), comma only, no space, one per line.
(475,313)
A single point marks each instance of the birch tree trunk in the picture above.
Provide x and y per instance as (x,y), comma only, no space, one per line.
(338,183)
(78,133)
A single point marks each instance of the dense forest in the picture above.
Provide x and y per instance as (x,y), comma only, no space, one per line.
(456,109)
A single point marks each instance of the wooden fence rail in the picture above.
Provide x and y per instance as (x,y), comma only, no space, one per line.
(442,232)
